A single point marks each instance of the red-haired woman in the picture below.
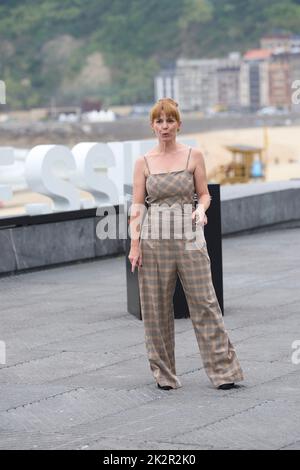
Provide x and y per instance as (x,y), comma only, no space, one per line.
(171,173)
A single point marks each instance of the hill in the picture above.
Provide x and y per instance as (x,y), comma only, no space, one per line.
(111,49)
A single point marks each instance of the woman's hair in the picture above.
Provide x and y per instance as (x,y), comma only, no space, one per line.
(169,106)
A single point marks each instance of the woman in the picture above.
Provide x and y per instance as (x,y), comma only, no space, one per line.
(171,174)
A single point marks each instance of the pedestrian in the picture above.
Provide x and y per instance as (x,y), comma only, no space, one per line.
(171,174)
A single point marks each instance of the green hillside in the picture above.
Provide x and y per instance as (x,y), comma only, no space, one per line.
(111,49)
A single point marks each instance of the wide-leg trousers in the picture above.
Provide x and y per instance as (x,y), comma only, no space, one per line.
(162,260)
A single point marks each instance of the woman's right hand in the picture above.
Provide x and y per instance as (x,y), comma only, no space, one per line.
(135,257)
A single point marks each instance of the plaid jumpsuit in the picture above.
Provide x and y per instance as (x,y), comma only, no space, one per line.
(169,249)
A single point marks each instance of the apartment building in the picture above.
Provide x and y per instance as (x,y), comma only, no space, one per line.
(197,82)
(228,78)
(166,84)
(201,84)
(254,79)
(284,71)
(280,80)
(262,77)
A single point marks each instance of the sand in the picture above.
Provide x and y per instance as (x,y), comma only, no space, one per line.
(282,158)
(283,146)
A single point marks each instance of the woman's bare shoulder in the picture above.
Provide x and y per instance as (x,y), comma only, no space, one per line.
(196,152)
(197,155)
(140,166)
(140,160)
(197,158)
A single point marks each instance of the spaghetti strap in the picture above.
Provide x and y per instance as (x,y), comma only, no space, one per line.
(147,165)
(187,162)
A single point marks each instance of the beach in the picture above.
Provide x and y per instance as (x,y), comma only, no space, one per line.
(281,158)
(282,155)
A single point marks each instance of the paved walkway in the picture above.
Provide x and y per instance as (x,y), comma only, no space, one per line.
(77,375)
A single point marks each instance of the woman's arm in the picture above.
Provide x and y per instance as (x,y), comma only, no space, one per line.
(201,188)
(138,200)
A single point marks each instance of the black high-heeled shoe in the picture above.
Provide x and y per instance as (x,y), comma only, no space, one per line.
(165,387)
(226,386)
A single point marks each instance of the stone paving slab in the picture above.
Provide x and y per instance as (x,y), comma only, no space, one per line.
(77,375)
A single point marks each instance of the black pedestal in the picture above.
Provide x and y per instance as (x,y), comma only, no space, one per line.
(213,237)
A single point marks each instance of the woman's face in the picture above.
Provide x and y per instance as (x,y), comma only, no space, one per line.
(165,127)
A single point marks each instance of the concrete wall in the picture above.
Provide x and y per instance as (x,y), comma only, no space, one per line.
(260,206)
(47,244)
(244,208)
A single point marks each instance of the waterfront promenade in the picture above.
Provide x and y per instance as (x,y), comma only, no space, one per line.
(77,376)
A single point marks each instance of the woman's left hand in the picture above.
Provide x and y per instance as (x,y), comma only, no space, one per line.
(199,215)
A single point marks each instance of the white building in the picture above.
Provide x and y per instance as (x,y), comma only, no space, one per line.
(166,84)
(201,84)
(197,83)
(229,81)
